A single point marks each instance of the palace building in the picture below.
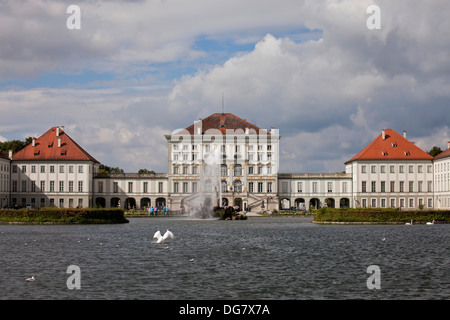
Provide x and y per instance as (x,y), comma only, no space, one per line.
(225,160)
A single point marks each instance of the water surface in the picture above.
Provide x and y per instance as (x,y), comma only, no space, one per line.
(258,258)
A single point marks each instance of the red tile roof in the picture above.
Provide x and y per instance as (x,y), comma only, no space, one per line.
(55,144)
(224,122)
(393,147)
(443,154)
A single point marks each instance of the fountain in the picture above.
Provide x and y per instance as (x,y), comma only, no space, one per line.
(201,204)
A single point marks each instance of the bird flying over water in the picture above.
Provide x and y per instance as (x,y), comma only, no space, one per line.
(161,238)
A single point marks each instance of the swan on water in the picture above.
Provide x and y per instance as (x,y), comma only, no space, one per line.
(409,223)
(161,238)
(432,222)
(30,279)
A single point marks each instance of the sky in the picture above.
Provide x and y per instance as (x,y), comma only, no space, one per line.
(139,69)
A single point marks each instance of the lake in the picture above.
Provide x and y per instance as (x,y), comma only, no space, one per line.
(254,259)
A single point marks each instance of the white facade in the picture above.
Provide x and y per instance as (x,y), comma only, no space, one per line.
(128,190)
(389,172)
(441,181)
(392,184)
(246,162)
(4,180)
(52,183)
(314,190)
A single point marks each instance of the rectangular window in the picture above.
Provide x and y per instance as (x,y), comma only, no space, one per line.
(363,186)
(70,169)
(33,169)
(175,187)
(373,169)
(61,169)
(392,169)
(80,186)
(374,186)
(80,169)
(330,186)
(269,187)
(383,186)
(411,186)
(160,187)
(52,186)
(260,187)
(392,186)
(70,186)
(42,169)
(100,187)
(392,203)
(250,187)
(402,186)
(42,185)
(185,187)
(61,186)
(130,187)
(299,186)
(374,203)
(52,169)
(145,187)
(314,187)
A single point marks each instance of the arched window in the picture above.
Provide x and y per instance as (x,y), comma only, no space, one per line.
(238,170)
(237,184)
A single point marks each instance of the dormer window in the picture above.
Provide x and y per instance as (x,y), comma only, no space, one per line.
(394,144)
(407,153)
(36,153)
(384,153)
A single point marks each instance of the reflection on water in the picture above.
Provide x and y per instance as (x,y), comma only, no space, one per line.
(258,258)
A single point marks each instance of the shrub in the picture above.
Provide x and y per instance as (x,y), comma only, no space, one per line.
(64,215)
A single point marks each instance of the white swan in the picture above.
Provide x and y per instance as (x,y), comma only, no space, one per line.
(161,238)
(409,223)
(30,279)
(430,222)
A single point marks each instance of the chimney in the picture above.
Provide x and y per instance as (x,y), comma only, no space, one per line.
(33,142)
(247,130)
(448,145)
(59,142)
(57,131)
(62,128)
(404,134)
(383,134)
(10,152)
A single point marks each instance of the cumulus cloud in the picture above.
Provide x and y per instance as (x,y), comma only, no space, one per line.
(315,72)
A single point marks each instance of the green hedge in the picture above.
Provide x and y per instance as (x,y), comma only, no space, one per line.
(63,215)
(380,215)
